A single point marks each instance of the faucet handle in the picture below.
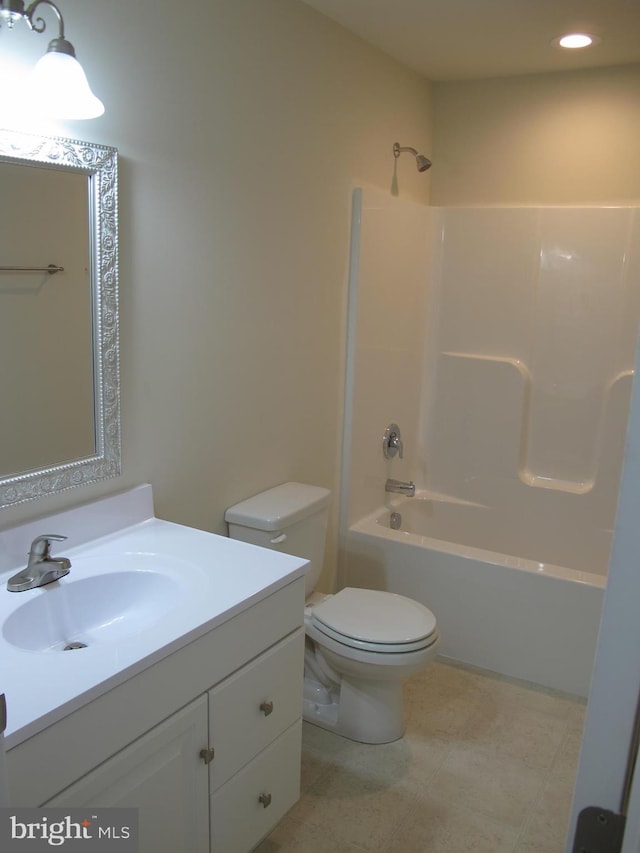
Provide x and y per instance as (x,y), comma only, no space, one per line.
(396,441)
(42,544)
(392,442)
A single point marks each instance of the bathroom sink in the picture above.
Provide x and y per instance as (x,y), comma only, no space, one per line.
(99,602)
(140,589)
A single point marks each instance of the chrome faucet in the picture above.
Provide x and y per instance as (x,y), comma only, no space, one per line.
(41,569)
(401,487)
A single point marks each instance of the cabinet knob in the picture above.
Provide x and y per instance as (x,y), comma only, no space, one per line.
(266,707)
(265,799)
(207,754)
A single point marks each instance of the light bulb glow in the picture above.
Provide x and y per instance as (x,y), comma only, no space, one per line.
(573,41)
(58,88)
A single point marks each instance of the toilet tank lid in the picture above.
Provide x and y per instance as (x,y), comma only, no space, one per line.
(279,507)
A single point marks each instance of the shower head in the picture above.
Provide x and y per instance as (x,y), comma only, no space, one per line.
(423,163)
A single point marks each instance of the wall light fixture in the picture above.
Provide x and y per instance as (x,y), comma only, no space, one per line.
(58,85)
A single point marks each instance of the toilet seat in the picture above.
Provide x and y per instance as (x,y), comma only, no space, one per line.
(375,621)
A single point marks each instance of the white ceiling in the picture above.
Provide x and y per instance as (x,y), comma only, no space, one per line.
(465,39)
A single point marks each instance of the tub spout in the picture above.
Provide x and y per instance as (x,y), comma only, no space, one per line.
(401,487)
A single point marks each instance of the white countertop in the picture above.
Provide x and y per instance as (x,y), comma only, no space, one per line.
(216,578)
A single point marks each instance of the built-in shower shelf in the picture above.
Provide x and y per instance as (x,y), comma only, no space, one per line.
(539,482)
(519,365)
(625,376)
(491,415)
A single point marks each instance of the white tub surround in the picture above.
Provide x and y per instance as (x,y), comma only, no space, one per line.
(211,685)
(502,341)
(543,544)
(507,361)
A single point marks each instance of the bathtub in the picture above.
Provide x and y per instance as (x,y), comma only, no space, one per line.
(522,617)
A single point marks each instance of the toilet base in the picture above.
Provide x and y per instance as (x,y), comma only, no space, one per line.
(359,709)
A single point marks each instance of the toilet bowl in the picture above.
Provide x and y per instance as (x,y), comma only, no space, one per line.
(364,643)
(360,644)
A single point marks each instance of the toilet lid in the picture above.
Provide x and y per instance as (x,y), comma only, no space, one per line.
(370,618)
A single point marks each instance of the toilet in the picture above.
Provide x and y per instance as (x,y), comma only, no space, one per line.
(360,643)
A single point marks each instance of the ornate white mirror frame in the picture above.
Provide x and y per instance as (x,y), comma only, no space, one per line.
(100,164)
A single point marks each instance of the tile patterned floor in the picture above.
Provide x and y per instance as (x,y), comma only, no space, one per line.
(487,765)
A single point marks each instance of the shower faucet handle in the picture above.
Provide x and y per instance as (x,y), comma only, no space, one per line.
(392,442)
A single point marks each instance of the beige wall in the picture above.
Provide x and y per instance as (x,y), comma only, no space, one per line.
(242,128)
(567,138)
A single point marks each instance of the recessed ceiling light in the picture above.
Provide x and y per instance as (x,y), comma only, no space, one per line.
(572,41)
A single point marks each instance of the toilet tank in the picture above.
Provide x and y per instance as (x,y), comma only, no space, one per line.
(291,518)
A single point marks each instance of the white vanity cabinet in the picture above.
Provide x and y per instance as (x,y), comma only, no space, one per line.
(205,742)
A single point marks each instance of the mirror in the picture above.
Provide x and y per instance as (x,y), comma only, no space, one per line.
(59,344)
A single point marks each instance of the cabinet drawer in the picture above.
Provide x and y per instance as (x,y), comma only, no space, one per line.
(255,705)
(239,819)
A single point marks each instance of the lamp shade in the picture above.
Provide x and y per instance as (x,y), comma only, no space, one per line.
(59,88)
